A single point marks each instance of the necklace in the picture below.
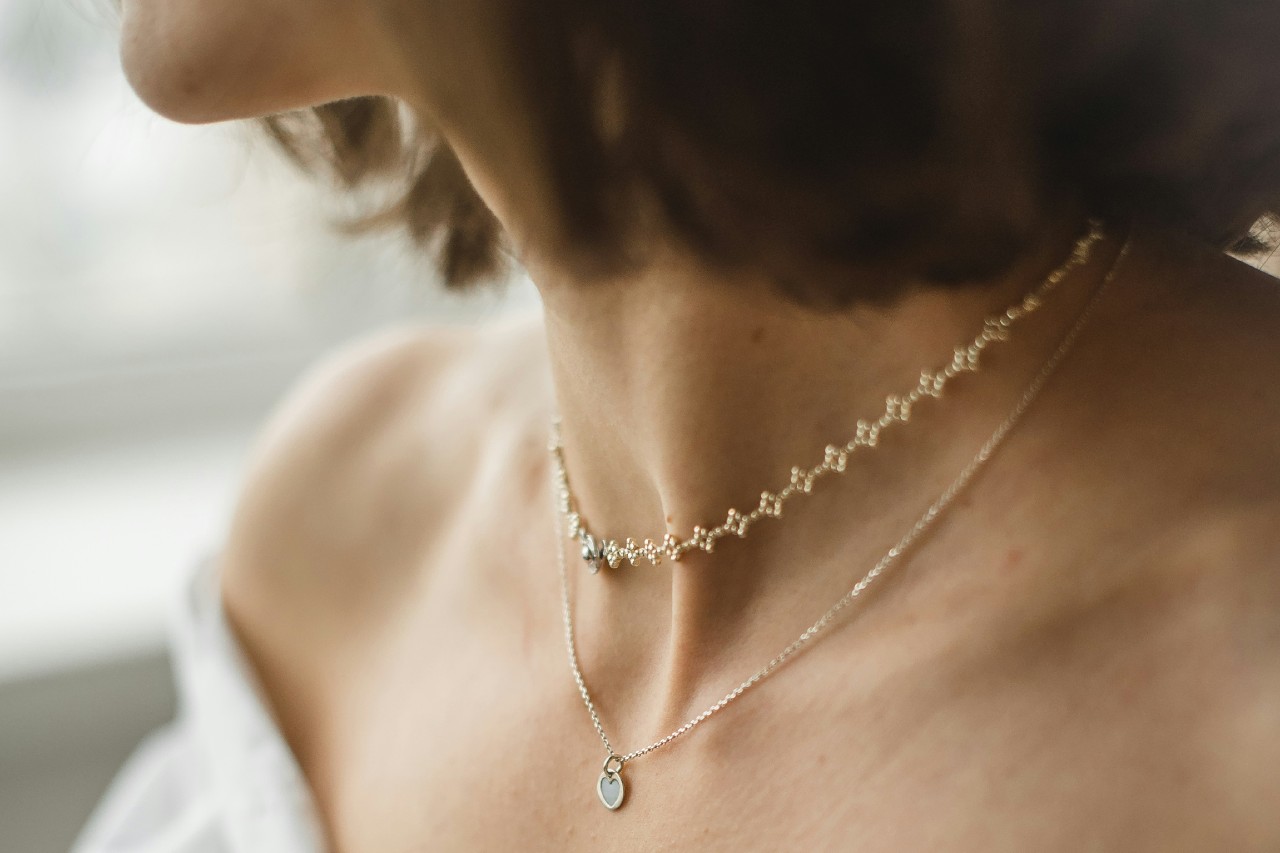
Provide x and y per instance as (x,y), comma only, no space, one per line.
(609,785)
(597,552)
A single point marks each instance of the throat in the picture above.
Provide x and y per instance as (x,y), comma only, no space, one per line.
(725,461)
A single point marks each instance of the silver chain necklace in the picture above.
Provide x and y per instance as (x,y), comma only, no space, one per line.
(609,785)
(897,409)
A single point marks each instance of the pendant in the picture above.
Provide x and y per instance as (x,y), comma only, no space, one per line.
(609,786)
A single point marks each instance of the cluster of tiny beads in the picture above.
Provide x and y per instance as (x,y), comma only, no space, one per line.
(835,458)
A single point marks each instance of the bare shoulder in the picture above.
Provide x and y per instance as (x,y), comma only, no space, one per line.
(1186,430)
(1188,375)
(357,472)
(1199,404)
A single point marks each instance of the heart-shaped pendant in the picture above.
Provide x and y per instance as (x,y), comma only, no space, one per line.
(610,789)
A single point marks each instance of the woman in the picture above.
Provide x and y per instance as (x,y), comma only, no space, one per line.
(753,226)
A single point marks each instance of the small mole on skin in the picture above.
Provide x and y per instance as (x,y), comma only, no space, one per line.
(1014,558)
(668,519)
(757,335)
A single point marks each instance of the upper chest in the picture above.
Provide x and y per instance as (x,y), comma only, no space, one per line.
(1136,720)
(460,735)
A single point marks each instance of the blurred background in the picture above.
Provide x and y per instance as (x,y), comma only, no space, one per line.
(161,286)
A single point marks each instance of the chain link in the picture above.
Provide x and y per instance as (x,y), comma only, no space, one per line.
(898,408)
(890,557)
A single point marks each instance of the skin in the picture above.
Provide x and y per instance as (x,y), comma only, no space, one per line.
(1081,655)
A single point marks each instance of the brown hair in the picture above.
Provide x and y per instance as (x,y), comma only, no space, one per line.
(810,139)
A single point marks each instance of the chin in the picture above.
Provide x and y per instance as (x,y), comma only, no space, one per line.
(170,94)
(244,61)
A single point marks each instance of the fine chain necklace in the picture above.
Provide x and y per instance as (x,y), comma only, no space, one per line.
(609,785)
(897,409)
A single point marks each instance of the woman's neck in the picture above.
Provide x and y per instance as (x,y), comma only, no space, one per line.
(682,395)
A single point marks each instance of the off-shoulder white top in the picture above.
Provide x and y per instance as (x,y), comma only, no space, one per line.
(220,778)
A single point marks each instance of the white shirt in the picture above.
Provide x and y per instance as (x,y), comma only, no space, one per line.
(220,778)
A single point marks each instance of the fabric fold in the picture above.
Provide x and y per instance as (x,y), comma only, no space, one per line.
(220,778)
